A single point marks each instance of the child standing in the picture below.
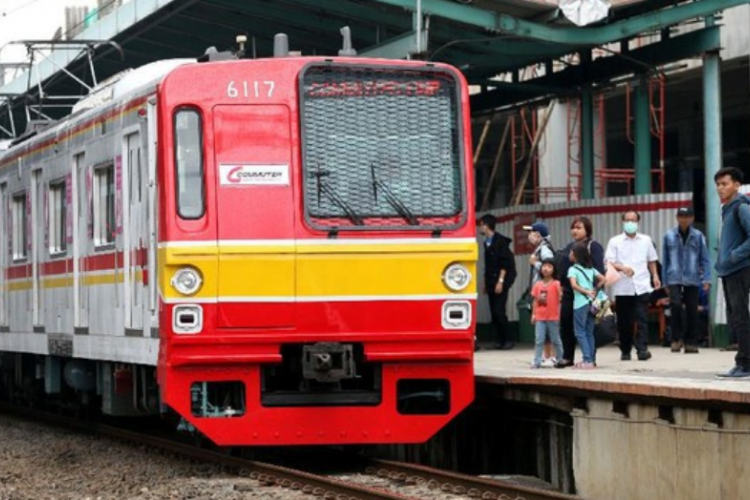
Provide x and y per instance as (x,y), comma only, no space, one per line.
(586,282)
(545,313)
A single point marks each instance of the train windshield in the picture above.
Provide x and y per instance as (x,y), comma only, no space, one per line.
(381,147)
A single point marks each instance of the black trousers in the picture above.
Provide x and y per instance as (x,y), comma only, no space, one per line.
(498,304)
(632,310)
(567,330)
(683,304)
(736,295)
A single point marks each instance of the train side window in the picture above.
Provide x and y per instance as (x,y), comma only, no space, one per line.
(58,238)
(20,227)
(104,205)
(189,172)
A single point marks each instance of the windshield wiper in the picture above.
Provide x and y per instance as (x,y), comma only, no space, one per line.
(331,194)
(391,198)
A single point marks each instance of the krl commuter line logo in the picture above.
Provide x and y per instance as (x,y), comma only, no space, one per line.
(254,175)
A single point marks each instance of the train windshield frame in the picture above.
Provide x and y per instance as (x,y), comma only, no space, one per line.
(382,147)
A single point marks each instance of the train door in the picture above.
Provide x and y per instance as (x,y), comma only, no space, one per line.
(82,191)
(37,253)
(255,216)
(134,237)
(4,251)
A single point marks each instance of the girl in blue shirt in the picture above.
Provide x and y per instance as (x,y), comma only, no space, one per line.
(585,282)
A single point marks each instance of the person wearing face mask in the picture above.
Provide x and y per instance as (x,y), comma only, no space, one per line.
(499,275)
(633,255)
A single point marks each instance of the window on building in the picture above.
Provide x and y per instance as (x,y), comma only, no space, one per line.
(58,237)
(104,205)
(20,227)
(189,164)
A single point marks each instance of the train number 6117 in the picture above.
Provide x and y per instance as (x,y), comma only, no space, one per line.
(253,88)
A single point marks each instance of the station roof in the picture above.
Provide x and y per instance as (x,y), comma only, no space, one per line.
(484,38)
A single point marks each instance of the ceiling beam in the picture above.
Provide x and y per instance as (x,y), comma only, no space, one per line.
(602,70)
(597,35)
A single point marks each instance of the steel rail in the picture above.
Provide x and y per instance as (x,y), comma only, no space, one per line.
(267,474)
(460,484)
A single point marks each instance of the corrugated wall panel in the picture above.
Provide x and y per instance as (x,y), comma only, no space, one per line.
(657,216)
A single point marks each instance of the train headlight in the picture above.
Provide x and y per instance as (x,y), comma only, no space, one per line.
(456,277)
(187,281)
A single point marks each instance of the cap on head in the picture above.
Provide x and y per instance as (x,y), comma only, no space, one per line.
(539,227)
(685,212)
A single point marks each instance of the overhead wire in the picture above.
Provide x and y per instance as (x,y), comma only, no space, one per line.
(20,7)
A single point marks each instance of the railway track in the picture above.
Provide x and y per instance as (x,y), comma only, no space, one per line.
(436,482)
(459,484)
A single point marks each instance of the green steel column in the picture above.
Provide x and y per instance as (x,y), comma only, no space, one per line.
(712,149)
(587,143)
(642,138)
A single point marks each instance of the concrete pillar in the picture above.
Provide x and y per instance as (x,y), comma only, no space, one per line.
(713,150)
(587,143)
(554,157)
(642,138)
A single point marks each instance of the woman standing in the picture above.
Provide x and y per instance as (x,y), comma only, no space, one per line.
(581,230)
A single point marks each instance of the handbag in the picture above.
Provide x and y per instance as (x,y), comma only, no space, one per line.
(611,275)
(603,306)
(605,331)
(600,305)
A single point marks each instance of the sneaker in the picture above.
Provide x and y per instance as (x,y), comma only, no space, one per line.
(534,366)
(625,356)
(549,363)
(736,372)
(644,355)
(676,346)
(564,363)
(584,366)
(691,349)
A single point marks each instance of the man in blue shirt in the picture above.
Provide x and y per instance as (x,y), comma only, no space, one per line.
(685,269)
(733,263)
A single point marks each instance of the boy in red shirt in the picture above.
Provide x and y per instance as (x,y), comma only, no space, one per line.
(545,313)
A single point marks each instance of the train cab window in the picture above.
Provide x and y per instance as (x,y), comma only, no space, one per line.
(20,227)
(58,241)
(104,205)
(189,173)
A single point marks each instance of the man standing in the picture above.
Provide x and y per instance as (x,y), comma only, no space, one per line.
(685,269)
(499,275)
(733,263)
(634,256)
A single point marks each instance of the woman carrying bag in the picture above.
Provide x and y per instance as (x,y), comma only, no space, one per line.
(581,229)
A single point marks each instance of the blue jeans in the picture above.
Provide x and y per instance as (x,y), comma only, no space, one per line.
(584,327)
(542,329)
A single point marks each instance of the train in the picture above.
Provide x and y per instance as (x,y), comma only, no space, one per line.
(276,251)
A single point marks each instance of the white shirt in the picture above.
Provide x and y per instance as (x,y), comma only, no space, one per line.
(635,253)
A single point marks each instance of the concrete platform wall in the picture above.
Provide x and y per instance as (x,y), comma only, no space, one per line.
(660,453)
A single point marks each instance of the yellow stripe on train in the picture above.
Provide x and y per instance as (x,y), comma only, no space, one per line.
(318,269)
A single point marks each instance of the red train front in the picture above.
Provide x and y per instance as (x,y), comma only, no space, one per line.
(316,249)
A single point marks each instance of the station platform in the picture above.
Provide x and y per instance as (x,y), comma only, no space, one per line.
(668,375)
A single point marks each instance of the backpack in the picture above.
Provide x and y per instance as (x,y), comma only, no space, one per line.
(737,218)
